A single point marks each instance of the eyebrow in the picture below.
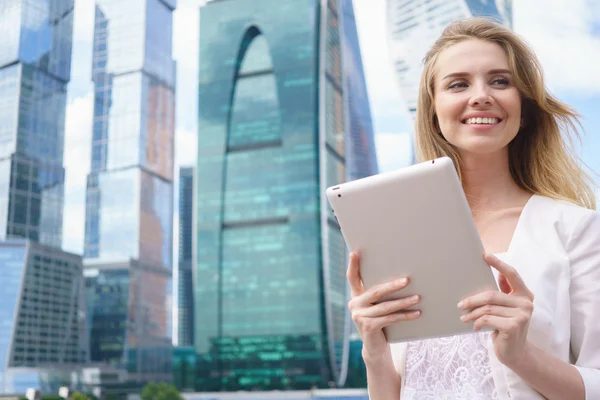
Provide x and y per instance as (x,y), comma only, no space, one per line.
(462,74)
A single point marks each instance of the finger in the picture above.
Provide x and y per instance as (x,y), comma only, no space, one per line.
(503,284)
(491,297)
(512,276)
(377,324)
(376,293)
(353,275)
(501,324)
(499,311)
(389,307)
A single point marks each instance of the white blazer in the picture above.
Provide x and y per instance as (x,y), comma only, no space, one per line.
(556,249)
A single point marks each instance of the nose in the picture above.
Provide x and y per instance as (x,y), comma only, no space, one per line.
(481,96)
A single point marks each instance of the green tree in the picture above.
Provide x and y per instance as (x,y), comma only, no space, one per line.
(160,391)
(79,396)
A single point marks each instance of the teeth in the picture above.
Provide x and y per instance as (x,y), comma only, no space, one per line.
(489,121)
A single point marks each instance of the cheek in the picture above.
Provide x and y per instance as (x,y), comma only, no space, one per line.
(511,103)
(514,110)
(443,110)
(448,114)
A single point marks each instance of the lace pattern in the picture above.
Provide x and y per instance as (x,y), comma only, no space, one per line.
(449,368)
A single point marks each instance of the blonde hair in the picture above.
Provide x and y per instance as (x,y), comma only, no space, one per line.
(541,157)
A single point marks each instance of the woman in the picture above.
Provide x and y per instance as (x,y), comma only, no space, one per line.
(483,103)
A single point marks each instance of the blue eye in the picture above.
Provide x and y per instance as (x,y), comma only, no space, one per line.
(459,84)
(501,81)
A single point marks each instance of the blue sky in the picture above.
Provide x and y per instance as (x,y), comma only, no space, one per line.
(564,33)
(589,108)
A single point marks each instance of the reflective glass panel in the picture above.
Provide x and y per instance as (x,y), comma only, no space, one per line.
(12,264)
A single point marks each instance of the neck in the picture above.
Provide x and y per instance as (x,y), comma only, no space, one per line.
(487,181)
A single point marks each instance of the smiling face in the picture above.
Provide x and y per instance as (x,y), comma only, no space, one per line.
(477,106)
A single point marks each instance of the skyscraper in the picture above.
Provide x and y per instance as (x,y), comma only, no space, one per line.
(35,67)
(185,304)
(43,341)
(362,158)
(283,114)
(129,211)
(413,26)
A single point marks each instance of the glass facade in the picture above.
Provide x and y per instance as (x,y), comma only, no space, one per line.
(184,368)
(133,133)
(46,380)
(362,158)
(43,313)
(129,199)
(357,371)
(270,287)
(185,315)
(127,319)
(413,26)
(35,64)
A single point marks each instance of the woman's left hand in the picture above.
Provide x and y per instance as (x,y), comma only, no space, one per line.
(507,311)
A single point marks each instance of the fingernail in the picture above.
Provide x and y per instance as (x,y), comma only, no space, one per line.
(414,298)
(460,304)
(403,281)
(463,317)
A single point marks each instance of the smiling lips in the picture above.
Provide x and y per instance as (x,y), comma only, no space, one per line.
(482,121)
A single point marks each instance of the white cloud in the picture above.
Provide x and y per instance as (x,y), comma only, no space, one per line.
(186,145)
(77,165)
(562,35)
(384,95)
(83,25)
(186,29)
(78,127)
(394,150)
(83,36)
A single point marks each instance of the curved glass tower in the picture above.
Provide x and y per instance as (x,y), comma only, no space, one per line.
(283,114)
(413,26)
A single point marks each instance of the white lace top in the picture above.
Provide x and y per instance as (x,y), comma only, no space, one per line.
(556,250)
(447,368)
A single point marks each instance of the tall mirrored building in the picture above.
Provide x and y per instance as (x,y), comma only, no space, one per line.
(129,211)
(362,158)
(185,303)
(283,114)
(414,25)
(43,341)
(35,66)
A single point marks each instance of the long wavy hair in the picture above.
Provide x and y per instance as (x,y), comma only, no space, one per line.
(541,157)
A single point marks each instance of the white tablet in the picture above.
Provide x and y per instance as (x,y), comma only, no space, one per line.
(416,222)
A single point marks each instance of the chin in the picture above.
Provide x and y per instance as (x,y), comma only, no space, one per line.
(481,147)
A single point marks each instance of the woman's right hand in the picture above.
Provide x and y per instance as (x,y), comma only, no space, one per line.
(370,315)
